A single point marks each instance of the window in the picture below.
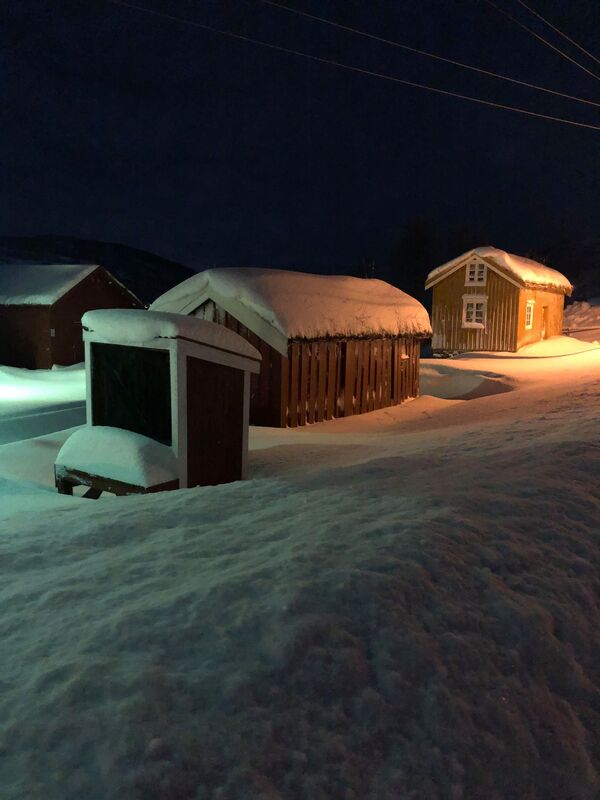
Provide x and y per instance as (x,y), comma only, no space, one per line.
(476,273)
(529,315)
(474,312)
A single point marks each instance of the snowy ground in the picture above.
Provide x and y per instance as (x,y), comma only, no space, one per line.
(582,319)
(404,604)
(34,402)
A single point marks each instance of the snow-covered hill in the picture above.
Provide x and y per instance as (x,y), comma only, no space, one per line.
(403,604)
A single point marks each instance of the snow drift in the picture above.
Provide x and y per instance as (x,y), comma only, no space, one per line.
(407,614)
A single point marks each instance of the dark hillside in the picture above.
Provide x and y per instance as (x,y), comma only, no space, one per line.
(145,274)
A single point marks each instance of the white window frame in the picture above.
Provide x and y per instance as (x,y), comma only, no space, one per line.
(474,299)
(529,322)
(478,267)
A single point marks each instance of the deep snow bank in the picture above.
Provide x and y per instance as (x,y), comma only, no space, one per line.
(406,617)
(400,605)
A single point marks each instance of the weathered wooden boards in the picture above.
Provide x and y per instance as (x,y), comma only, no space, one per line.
(340,378)
(327,378)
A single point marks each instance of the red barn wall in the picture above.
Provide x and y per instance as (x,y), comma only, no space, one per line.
(97,290)
(25,337)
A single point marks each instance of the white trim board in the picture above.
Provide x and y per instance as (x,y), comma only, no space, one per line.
(430,283)
(250,319)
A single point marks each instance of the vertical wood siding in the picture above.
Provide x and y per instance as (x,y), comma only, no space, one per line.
(502,314)
(267,397)
(340,378)
(97,290)
(25,331)
(324,379)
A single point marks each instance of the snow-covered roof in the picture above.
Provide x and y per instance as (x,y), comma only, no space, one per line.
(137,326)
(299,305)
(39,284)
(526,272)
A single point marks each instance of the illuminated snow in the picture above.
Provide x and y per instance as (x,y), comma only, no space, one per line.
(118,454)
(396,604)
(300,305)
(137,326)
(33,402)
(525,270)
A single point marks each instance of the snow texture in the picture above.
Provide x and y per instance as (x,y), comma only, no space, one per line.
(527,272)
(34,402)
(136,326)
(118,454)
(39,284)
(402,604)
(304,306)
(582,319)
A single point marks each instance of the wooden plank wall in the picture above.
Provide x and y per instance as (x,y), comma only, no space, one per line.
(324,379)
(502,312)
(340,378)
(266,397)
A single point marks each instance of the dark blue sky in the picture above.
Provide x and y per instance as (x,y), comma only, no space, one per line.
(120,126)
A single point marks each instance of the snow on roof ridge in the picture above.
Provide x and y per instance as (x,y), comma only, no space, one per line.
(39,284)
(525,270)
(304,305)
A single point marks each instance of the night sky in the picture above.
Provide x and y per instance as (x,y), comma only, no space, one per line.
(121,126)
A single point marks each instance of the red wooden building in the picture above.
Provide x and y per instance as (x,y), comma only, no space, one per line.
(331,345)
(41,306)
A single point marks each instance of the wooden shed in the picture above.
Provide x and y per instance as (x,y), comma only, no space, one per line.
(487,299)
(167,405)
(331,345)
(41,306)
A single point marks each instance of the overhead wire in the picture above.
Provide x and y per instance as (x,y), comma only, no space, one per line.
(359,70)
(541,39)
(558,30)
(425,53)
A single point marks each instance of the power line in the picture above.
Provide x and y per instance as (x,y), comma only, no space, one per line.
(560,33)
(426,53)
(339,65)
(541,38)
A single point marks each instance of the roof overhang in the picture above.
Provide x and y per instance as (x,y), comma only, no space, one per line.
(452,268)
(430,283)
(250,319)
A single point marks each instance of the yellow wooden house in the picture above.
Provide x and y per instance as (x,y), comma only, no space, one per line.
(487,299)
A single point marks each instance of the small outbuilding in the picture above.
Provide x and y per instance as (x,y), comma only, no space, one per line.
(41,306)
(487,299)
(331,345)
(167,405)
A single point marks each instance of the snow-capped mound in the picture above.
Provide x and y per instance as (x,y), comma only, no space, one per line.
(304,306)
(526,271)
(118,454)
